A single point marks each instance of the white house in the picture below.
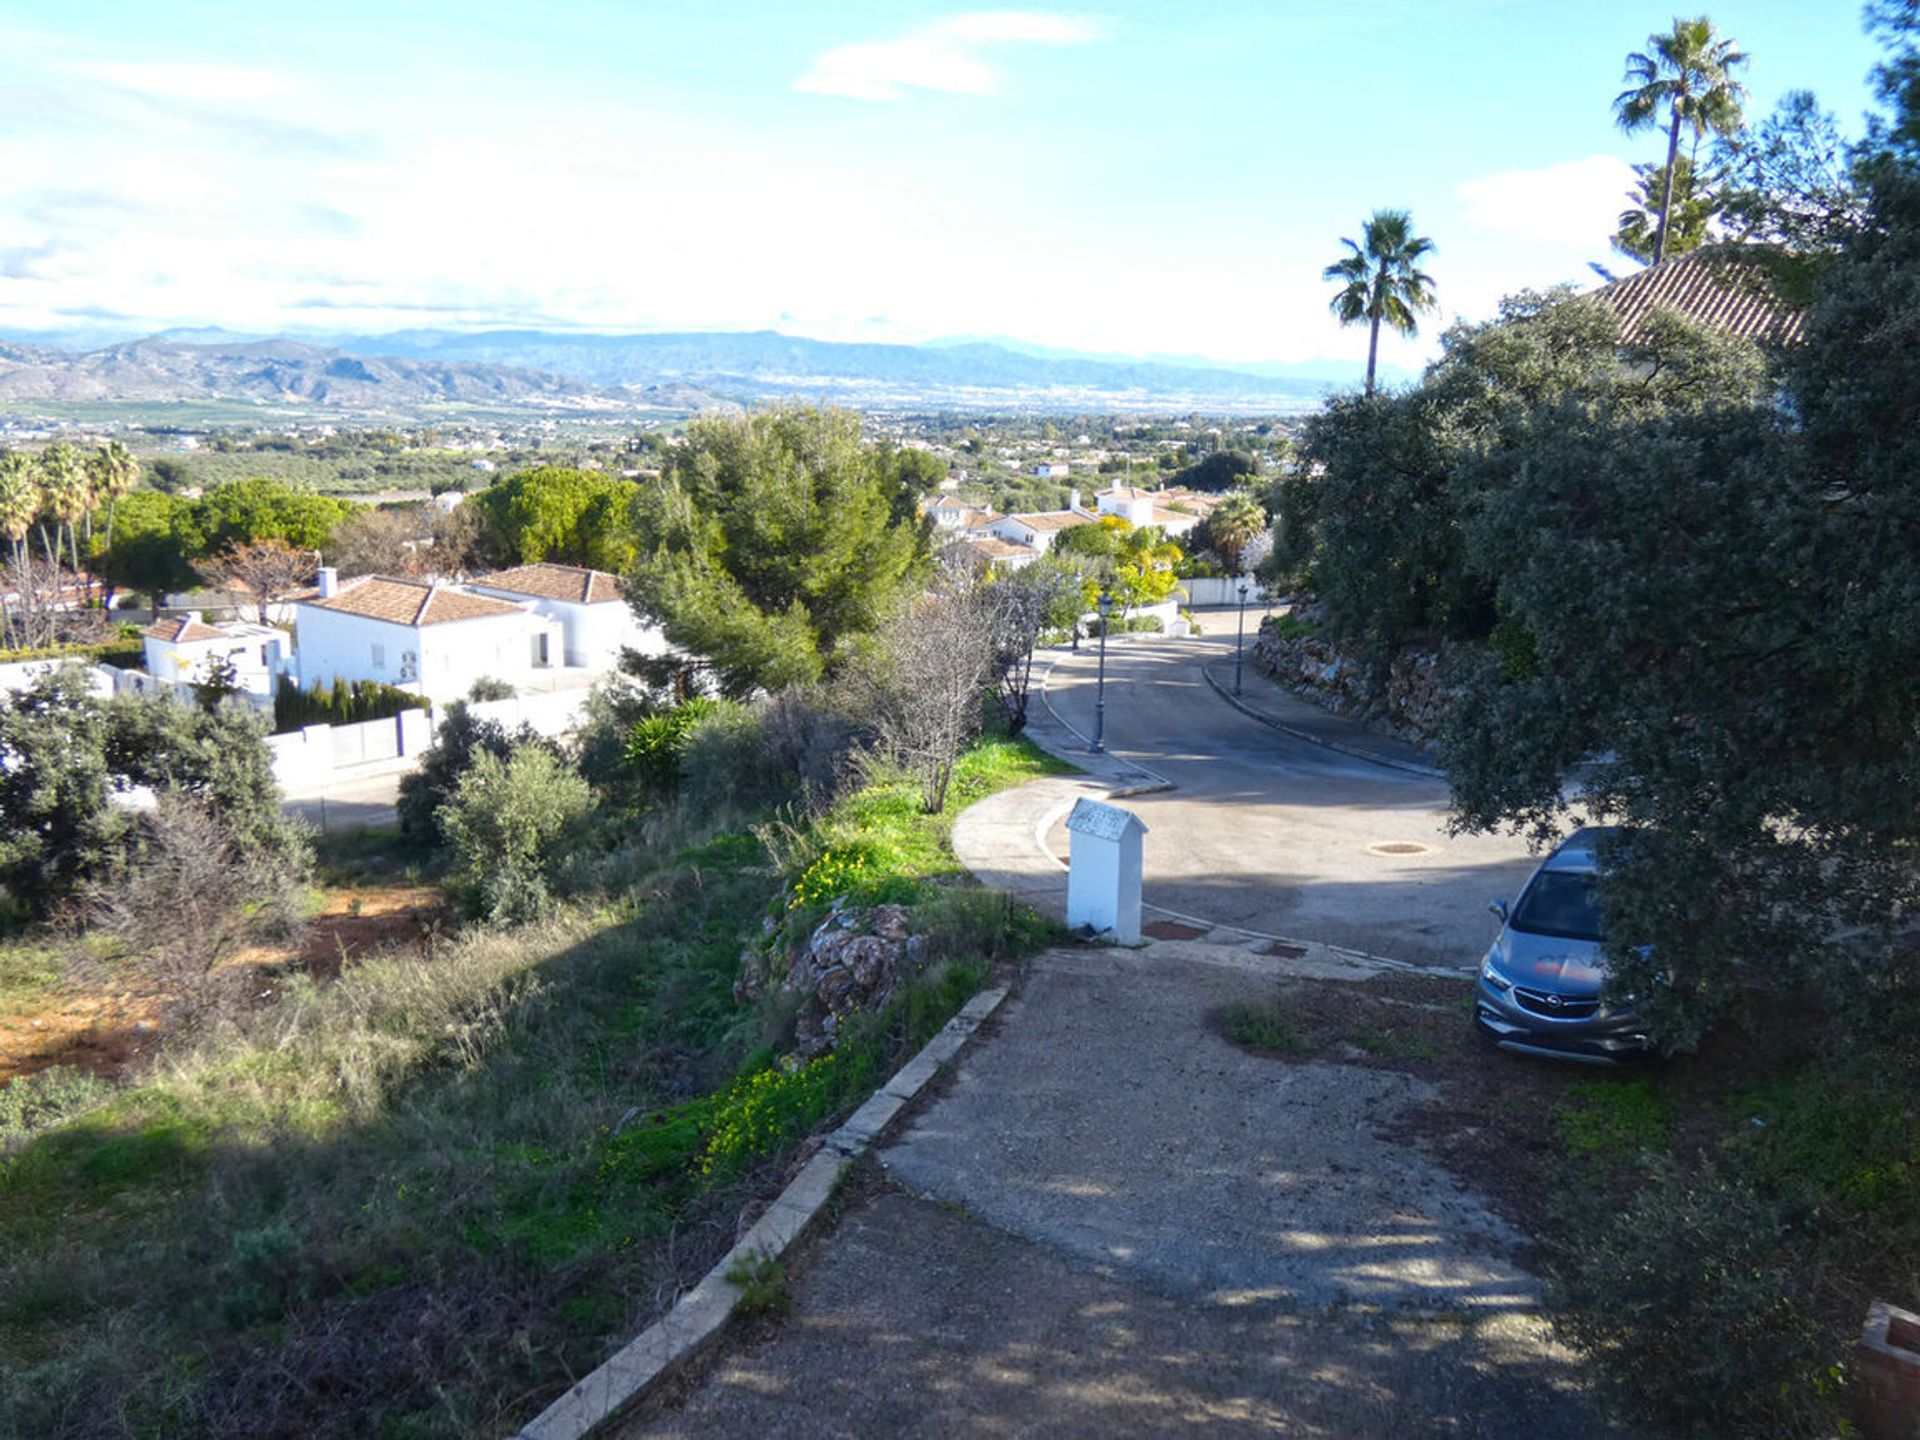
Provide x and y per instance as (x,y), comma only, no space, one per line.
(595,619)
(1038,531)
(183,650)
(950,512)
(1141,507)
(1051,470)
(1000,555)
(435,640)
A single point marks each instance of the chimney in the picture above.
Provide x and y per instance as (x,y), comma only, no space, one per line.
(329,581)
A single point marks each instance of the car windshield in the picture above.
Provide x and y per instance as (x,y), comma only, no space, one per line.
(1560,902)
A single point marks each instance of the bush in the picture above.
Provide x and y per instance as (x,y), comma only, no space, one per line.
(502,820)
(487,688)
(345,702)
(461,738)
(1686,1300)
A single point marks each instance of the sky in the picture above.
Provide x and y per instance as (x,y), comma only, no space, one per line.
(1147,177)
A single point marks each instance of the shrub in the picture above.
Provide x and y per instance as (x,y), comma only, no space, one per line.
(1687,1300)
(461,738)
(187,896)
(657,742)
(762,1281)
(501,821)
(487,688)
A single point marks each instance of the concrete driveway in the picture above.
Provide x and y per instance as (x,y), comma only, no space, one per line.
(1115,1223)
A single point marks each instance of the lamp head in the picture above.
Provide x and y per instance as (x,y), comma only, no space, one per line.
(1105,606)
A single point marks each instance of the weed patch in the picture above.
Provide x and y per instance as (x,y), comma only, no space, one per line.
(1264,1026)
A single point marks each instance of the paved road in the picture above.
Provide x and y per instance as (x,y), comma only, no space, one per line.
(1265,832)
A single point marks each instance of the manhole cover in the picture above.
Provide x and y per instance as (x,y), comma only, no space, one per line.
(1171,930)
(1399,847)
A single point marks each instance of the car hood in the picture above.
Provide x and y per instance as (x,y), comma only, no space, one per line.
(1575,968)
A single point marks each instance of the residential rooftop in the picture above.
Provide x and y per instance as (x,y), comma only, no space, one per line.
(412,603)
(556,582)
(1715,287)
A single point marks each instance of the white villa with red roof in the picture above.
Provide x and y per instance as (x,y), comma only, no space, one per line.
(595,619)
(433,639)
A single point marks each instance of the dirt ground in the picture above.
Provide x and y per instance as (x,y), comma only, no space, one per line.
(108,1032)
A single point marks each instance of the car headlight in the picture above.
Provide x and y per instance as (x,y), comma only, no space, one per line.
(1492,976)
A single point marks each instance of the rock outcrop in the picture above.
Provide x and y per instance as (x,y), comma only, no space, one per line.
(854,960)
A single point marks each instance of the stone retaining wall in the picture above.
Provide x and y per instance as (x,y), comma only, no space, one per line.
(1410,700)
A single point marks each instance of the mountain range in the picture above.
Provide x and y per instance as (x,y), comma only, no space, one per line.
(605,373)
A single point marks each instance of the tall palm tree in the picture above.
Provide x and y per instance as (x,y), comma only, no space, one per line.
(19,499)
(66,493)
(1381,279)
(1686,78)
(115,473)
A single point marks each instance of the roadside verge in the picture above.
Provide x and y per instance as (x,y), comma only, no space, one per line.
(698,1317)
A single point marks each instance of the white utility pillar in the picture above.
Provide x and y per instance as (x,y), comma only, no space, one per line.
(1103,871)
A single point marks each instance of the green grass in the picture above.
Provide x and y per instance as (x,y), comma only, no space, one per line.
(1264,1026)
(416,1200)
(1616,1119)
(1290,628)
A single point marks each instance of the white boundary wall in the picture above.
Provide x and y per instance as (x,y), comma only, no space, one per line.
(308,758)
(1222,590)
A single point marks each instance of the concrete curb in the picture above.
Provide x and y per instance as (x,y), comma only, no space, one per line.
(1429,771)
(700,1315)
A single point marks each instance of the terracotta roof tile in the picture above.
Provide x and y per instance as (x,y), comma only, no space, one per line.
(556,582)
(183,631)
(994,548)
(1712,287)
(412,603)
(1053,520)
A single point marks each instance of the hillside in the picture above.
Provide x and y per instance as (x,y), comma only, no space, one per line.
(289,372)
(763,363)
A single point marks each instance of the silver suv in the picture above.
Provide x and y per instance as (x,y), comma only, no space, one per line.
(1539,987)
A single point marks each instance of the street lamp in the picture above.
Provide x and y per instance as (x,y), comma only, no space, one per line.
(1240,639)
(1105,607)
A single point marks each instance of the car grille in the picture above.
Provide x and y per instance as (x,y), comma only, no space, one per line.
(1555,1007)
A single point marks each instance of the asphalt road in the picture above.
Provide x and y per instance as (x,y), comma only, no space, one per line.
(1272,834)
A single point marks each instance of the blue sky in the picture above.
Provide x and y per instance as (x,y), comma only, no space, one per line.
(1160,176)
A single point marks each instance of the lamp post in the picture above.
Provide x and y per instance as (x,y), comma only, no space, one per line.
(1105,607)
(1240,639)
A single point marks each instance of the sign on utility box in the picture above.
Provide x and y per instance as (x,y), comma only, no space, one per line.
(1103,871)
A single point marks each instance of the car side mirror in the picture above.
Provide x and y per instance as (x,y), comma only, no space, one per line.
(1499,908)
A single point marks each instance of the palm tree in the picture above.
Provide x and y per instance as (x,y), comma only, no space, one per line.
(19,499)
(115,473)
(66,493)
(1380,280)
(1234,523)
(1687,79)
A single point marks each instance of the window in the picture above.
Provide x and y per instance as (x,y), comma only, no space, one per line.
(379,657)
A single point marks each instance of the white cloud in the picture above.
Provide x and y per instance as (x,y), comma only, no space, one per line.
(1573,203)
(184,82)
(942,56)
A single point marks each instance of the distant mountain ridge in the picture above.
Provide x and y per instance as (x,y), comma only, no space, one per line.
(549,369)
(280,371)
(756,363)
